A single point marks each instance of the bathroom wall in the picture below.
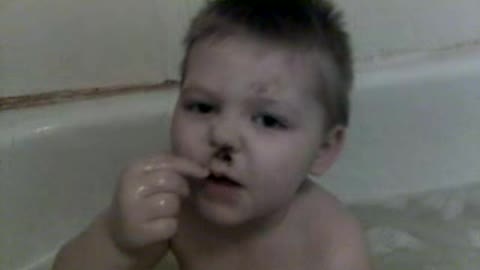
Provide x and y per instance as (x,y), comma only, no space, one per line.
(395,27)
(50,45)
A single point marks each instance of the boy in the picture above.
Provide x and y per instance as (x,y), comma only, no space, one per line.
(263,103)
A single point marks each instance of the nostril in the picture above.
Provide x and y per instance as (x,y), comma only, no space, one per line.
(226,157)
(224,154)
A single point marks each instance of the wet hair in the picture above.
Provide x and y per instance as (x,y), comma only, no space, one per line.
(314,25)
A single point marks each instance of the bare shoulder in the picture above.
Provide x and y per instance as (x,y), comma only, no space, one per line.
(334,233)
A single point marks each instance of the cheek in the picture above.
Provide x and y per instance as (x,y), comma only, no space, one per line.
(288,162)
(186,137)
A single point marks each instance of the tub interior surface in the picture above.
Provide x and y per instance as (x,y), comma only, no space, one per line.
(434,230)
(60,166)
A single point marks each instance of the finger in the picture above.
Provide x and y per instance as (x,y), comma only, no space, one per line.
(163,205)
(161,229)
(183,166)
(161,181)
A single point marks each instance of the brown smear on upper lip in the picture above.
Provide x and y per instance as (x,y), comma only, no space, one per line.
(223,154)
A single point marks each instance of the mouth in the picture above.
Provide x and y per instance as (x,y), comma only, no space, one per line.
(221,179)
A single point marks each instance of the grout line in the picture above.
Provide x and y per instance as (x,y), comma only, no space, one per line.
(62,96)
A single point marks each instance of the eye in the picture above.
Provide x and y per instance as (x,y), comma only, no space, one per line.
(269,121)
(199,107)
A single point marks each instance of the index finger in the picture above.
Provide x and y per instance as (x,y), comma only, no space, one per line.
(182,166)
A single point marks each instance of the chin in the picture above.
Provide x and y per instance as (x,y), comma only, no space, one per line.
(222,214)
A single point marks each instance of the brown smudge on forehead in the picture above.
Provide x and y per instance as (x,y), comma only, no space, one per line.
(260,89)
(290,60)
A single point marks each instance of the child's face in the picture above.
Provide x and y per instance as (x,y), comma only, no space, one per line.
(248,110)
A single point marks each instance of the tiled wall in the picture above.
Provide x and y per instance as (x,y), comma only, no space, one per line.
(50,45)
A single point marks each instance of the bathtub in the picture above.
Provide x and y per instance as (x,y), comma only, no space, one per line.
(409,165)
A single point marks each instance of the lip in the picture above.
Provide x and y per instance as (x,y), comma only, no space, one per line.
(222,191)
(222,180)
(219,173)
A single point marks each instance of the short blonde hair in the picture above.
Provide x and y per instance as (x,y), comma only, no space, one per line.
(313,24)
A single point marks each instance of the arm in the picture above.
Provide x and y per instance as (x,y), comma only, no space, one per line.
(134,233)
(348,251)
(94,249)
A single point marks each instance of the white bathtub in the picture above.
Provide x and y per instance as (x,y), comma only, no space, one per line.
(415,128)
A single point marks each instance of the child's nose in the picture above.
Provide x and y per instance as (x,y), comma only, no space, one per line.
(224,154)
(225,134)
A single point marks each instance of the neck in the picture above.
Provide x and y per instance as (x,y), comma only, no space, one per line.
(244,232)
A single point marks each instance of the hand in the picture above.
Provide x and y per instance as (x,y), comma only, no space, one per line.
(147,201)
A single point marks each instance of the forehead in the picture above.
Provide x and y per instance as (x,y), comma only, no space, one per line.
(246,63)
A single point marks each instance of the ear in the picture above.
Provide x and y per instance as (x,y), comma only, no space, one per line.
(329,151)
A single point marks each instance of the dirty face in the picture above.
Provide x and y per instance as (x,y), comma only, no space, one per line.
(247,111)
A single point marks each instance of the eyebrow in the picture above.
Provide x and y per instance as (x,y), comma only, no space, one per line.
(272,102)
(257,100)
(196,88)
